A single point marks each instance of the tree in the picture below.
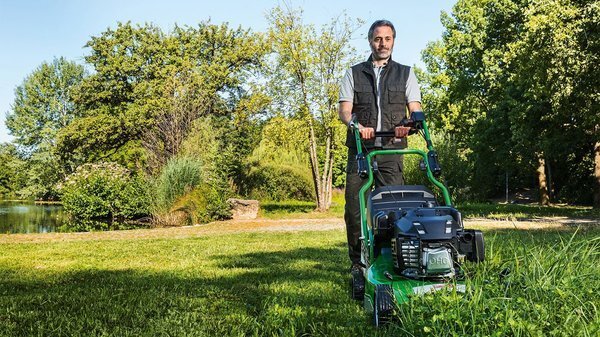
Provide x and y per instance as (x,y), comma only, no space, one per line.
(145,78)
(12,177)
(304,84)
(556,58)
(513,79)
(43,106)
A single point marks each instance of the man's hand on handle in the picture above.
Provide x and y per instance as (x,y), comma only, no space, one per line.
(366,133)
(401,131)
(369,133)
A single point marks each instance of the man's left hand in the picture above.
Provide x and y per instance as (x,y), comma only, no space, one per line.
(401,131)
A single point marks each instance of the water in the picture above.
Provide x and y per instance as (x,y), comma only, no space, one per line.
(28,217)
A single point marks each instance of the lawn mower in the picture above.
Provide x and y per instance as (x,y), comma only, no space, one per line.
(410,243)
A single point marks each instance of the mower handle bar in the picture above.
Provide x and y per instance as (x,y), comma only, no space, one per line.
(414,125)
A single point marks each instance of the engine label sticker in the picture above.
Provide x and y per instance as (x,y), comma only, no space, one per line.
(430,288)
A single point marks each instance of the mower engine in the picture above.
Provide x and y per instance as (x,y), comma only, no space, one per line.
(428,242)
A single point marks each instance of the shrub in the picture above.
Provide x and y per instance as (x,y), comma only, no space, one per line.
(280,182)
(179,177)
(185,194)
(104,191)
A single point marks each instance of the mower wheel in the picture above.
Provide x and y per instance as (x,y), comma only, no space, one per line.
(383,306)
(357,288)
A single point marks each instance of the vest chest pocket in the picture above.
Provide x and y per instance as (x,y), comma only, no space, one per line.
(363,94)
(396,94)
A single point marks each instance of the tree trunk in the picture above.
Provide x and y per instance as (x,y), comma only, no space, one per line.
(327,170)
(550,181)
(597,174)
(541,172)
(330,181)
(314,165)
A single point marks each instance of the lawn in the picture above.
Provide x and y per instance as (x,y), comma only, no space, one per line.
(534,283)
(305,209)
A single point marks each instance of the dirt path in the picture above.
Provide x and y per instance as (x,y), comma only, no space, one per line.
(269,225)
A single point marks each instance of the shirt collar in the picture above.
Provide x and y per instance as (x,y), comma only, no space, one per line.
(384,64)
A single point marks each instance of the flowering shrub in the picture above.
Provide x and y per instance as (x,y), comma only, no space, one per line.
(104,191)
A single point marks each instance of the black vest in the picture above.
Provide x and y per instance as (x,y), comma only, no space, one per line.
(392,83)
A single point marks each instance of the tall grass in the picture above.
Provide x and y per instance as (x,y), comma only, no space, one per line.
(178,177)
(534,283)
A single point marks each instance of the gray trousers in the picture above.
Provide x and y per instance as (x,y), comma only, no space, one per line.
(390,173)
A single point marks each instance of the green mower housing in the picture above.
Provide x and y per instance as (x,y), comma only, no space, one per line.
(411,243)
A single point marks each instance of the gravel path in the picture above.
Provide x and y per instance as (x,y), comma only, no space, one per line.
(270,225)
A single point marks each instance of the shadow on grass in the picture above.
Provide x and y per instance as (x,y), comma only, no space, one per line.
(296,207)
(295,292)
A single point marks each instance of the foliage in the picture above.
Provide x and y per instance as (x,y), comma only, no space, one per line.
(304,83)
(104,191)
(43,105)
(12,177)
(278,168)
(143,77)
(282,182)
(184,187)
(510,81)
(179,177)
(534,283)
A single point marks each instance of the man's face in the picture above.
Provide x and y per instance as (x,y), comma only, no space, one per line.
(382,43)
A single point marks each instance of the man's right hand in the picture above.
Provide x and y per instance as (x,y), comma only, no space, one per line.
(366,133)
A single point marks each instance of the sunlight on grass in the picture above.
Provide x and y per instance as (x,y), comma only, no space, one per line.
(539,282)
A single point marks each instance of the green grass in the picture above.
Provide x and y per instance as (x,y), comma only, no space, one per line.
(534,283)
(524,212)
(300,209)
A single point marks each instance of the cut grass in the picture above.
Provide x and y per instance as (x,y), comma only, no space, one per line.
(496,211)
(285,284)
(525,212)
(302,209)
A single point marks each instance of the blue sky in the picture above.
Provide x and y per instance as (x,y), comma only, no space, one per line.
(35,31)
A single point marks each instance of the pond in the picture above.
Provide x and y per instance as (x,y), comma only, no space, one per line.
(28,217)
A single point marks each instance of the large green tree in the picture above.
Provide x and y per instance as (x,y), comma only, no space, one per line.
(148,86)
(511,80)
(44,105)
(304,85)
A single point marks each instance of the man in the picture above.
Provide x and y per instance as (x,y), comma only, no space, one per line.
(377,92)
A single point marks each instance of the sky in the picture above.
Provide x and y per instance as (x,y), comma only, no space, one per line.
(37,31)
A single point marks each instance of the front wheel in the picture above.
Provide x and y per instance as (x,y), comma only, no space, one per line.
(383,305)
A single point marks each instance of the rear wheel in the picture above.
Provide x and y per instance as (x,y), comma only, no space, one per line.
(357,287)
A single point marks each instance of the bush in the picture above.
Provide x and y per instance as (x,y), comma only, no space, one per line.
(186,195)
(104,191)
(280,182)
(179,177)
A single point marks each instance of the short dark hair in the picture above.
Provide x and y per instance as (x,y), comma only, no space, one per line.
(380,23)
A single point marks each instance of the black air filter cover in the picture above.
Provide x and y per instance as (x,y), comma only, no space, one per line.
(427,224)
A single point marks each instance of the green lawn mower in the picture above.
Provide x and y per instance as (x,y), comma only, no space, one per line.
(411,244)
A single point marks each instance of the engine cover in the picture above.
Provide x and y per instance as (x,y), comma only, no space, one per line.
(431,243)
